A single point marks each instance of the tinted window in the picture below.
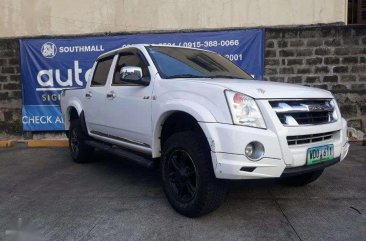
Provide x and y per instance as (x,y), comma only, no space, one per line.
(193,63)
(101,72)
(129,59)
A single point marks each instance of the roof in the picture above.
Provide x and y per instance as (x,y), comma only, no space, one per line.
(116,51)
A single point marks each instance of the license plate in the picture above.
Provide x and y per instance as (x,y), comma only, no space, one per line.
(320,154)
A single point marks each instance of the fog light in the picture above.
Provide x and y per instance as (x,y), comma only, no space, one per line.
(254,151)
(249,149)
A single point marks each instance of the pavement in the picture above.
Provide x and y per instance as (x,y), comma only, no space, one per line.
(42,192)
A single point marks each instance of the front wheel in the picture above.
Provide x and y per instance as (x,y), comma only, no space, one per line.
(301,180)
(187,174)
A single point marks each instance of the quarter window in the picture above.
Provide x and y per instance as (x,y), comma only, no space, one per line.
(101,72)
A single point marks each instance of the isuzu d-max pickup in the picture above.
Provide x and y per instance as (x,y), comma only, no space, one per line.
(202,120)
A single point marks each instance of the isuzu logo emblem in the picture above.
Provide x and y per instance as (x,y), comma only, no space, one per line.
(317,107)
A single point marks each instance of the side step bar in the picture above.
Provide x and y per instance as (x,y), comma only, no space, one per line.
(113,149)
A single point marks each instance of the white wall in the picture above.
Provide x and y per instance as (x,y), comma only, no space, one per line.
(63,17)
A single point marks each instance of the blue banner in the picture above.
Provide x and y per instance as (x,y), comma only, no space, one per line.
(49,65)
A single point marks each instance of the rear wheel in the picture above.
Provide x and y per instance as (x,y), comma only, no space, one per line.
(187,174)
(79,150)
(301,180)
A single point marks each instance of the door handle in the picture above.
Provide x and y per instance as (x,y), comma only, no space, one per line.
(111,95)
(88,94)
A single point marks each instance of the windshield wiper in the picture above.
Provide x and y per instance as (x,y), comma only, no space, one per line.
(224,76)
(185,76)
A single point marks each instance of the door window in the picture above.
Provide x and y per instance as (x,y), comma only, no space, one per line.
(101,72)
(129,58)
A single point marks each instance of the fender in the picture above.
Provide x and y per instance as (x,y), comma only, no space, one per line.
(82,122)
(197,111)
(72,103)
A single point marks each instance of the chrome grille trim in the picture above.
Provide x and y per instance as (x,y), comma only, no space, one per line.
(306,139)
(304,112)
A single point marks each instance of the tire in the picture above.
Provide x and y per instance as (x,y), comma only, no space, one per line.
(188,177)
(80,152)
(301,180)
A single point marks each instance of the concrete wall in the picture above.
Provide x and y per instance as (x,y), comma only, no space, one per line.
(65,17)
(10,87)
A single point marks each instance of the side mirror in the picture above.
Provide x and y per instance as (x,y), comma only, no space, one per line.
(132,74)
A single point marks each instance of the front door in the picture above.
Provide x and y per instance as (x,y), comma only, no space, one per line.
(128,106)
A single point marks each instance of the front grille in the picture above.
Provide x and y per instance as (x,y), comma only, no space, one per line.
(305,139)
(304,112)
(306,118)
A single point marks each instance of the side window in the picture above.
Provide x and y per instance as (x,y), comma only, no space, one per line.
(129,59)
(101,72)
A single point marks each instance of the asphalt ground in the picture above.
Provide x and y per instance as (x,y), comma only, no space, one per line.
(42,192)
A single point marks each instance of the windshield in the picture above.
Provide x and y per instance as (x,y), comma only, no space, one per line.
(173,62)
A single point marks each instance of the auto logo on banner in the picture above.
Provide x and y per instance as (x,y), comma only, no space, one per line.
(50,65)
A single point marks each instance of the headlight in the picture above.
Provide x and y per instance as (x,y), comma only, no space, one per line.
(244,110)
(333,104)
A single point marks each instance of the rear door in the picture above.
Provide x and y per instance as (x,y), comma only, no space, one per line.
(95,95)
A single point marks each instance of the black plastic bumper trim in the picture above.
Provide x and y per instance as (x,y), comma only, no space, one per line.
(248,169)
(305,169)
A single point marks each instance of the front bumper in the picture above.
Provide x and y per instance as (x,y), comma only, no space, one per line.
(306,169)
(228,142)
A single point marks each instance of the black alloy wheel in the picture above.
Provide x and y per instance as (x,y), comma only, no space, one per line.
(79,150)
(188,176)
(74,142)
(182,175)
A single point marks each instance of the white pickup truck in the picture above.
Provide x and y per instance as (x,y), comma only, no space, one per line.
(202,120)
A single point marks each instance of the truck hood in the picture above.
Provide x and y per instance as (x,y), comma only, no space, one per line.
(260,89)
